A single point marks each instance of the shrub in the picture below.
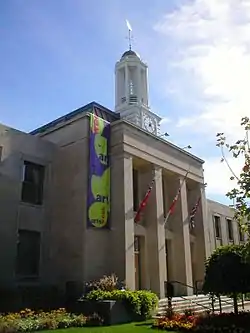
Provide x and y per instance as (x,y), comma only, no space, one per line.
(140,303)
(189,312)
(228,272)
(28,320)
(94,320)
(106,283)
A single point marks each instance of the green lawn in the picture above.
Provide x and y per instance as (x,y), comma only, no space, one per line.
(126,328)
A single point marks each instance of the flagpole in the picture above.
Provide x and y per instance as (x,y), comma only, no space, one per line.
(144,201)
(195,209)
(176,197)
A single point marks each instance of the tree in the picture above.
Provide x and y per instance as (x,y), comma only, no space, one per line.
(241,194)
(227,272)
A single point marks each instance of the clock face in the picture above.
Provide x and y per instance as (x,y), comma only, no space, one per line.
(149,124)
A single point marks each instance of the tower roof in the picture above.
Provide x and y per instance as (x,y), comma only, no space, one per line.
(130,53)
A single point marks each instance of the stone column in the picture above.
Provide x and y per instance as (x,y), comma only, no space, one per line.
(127,83)
(181,260)
(138,87)
(155,234)
(207,223)
(201,233)
(122,219)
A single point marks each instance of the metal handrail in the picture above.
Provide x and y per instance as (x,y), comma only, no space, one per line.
(196,292)
(185,285)
(223,300)
(197,303)
(193,301)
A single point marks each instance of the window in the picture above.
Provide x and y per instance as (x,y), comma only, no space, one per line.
(28,253)
(135,190)
(32,187)
(230,230)
(217,226)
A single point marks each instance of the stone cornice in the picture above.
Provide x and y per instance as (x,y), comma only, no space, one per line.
(140,133)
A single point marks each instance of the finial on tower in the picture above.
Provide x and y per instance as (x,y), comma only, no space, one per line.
(129,34)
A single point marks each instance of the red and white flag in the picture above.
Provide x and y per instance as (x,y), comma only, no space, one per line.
(173,204)
(193,213)
(144,202)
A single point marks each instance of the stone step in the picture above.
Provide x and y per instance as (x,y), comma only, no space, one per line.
(194,303)
(198,303)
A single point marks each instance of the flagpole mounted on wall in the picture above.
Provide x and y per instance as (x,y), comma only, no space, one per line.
(174,201)
(195,208)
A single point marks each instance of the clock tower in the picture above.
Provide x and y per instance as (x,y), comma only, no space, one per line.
(131,92)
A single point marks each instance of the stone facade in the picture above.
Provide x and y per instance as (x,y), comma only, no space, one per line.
(69,251)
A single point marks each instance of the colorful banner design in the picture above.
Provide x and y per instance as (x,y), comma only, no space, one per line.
(99,173)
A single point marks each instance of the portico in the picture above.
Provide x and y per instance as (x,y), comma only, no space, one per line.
(161,252)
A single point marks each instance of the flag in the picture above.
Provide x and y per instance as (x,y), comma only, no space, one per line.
(144,202)
(173,204)
(128,25)
(193,213)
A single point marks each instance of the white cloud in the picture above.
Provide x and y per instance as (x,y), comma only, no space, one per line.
(208,47)
(165,120)
(211,41)
(217,175)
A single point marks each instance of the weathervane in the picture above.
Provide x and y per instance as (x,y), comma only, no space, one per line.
(129,34)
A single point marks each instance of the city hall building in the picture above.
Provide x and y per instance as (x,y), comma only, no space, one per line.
(69,192)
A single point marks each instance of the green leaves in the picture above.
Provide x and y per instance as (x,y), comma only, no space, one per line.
(140,303)
(241,194)
(228,270)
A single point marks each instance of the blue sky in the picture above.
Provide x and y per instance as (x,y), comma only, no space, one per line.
(56,56)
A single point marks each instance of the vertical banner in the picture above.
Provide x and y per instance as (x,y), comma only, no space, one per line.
(99,174)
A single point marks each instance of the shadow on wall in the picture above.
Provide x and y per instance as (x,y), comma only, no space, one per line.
(13,299)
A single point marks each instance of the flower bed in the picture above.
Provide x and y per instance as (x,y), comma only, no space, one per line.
(226,322)
(28,320)
(176,322)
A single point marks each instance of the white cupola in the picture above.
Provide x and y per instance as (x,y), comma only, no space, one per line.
(131,92)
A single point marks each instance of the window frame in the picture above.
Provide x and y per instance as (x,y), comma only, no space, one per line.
(18,272)
(230,229)
(241,234)
(216,218)
(35,190)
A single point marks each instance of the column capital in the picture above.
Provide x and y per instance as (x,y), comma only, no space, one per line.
(122,155)
(182,179)
(157,168)
(127,155)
